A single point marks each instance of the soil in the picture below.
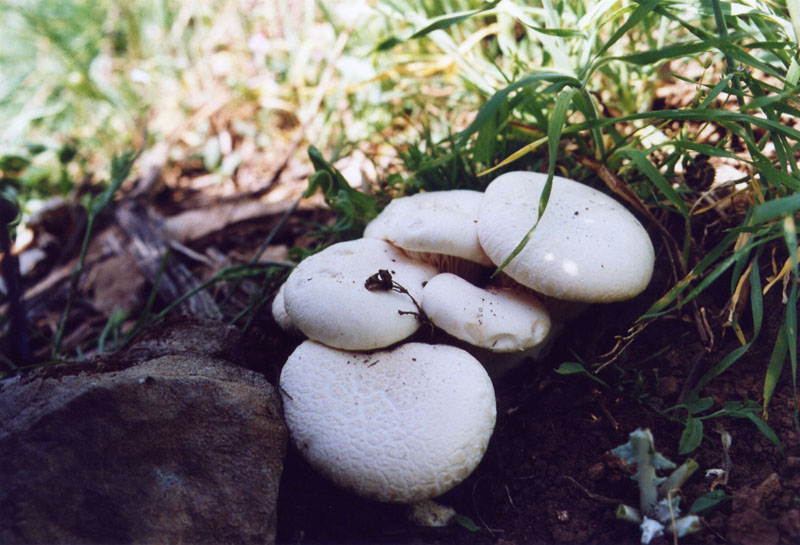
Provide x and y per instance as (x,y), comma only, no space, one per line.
(548,476)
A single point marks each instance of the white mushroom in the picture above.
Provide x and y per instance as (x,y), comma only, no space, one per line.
(498,319)
(400,425)
(327,300)
(439,227)
(587,247)
(279,312)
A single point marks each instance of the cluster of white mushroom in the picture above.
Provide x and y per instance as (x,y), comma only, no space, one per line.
(408,423)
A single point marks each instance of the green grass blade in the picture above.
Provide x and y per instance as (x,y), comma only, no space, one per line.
(776,362)
(556,126)
(445,21)
(790,319)
(497,100)
(756,297)
(673,51)
(636,17)
(776,208)
(438,23)
(658,308)
(765,429)
(719,368)
(558,32)
(647,168)
(701,114)
(121,166)
(794,15)
(722,85)
(703,149)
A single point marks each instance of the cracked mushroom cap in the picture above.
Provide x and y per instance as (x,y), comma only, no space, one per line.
(443,223)
(399,425)
(498,319)
(587,246)
(326,299)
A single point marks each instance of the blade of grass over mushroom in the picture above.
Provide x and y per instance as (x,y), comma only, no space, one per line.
(519,154)
(556,125)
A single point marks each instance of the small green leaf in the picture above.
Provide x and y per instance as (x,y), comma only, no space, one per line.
(692,436)
(709,501)
(700,405)
(575,368)
(466,523)
(389,43)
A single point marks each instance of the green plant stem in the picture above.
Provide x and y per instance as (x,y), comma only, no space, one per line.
(73,288)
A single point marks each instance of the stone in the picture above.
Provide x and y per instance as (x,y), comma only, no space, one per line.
(180,446)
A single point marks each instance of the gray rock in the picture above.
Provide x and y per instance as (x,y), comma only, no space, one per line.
(180,447)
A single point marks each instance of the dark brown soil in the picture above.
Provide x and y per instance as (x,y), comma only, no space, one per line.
(548,476)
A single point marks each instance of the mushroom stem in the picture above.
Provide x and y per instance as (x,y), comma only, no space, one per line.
(431,514)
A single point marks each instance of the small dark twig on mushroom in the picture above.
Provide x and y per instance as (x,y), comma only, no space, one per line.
(380,281)
(383,281)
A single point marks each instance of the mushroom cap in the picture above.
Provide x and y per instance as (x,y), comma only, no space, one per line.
(399,425)
(438,222)
(279,311)
(587,246)
(326,299)
(498,319)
